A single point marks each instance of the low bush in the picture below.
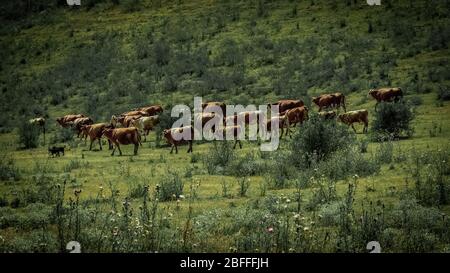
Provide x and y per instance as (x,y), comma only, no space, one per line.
(392,120)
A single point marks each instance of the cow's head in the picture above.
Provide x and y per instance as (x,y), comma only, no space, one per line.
(60,121)
(315,99)
(341,117)
(373,92)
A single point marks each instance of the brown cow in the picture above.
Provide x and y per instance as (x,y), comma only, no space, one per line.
(151,110)
(355,116)
(234,131)
(169,136)
(94,131)
(386,94)
(207,106)
(330,100)
(282,122)
(284,105)
(123,136)
(39,122)
(135,113)
(65,120)
(79,122)
(297,115)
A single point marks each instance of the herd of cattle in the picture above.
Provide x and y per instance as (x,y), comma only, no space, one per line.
(128,127)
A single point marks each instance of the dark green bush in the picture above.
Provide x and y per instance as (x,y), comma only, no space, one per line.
(392,120)
(317,139)
(28,135)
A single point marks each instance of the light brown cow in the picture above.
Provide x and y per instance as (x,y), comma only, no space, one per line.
(94,131)
(284,105)
(386,94)
(169,135)
(351,117)
(65,120)
(123,136)
(151,110)
(145,124)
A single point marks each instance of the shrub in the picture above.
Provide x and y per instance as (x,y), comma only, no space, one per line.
(170,187)
(392,119)
(443,93)
(8,169)
(28,135)
(62,135)
(317,139)
(217,159)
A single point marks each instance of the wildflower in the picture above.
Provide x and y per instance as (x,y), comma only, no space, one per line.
(306,229)
(181,196)
(296,215)
(270,229)
(288,200)
(115,231)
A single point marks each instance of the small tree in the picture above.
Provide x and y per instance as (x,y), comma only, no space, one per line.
(318,138)
(393,120)
(28,134)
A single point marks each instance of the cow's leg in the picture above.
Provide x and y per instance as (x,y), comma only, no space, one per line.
(136,146)
(118,147)
(234,146)
(171,150)
(100,143)
(353,128)
(176,149)
(90,146)
(190,147)
(240,144)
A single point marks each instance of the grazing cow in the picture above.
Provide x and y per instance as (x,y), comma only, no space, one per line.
(328,114)
(129,119)
(151,110)
(282,122)
(355,116)
(55,151)
(94,131)
(330,100)
(39,122)
(208,105)
(297,115)
(386,94)
(145,124)
(169,136)
(79,122)
(234,131)
(123,136)
(66,120)
(284,105)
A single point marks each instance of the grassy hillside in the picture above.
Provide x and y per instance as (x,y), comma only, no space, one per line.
(105,58)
